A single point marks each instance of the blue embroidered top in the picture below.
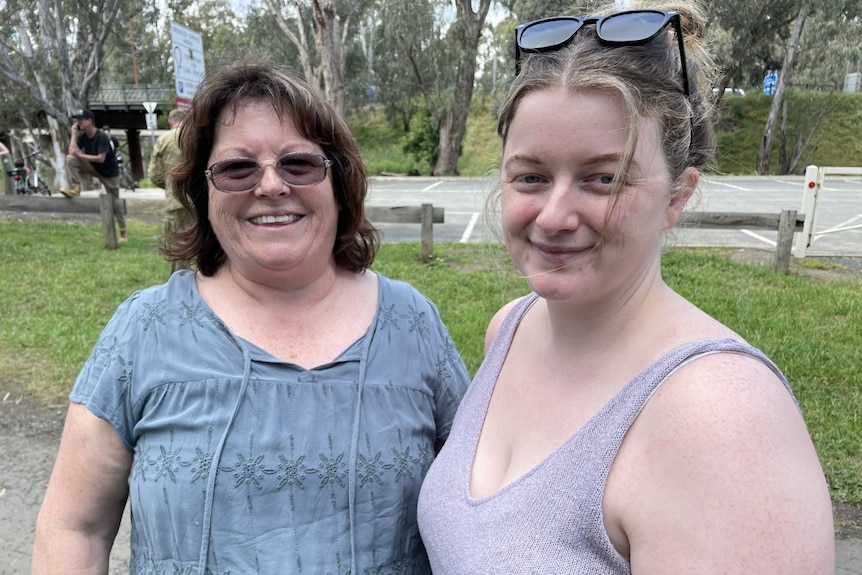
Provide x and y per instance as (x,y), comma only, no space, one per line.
(246,464)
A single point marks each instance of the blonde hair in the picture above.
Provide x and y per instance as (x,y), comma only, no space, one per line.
(648,79)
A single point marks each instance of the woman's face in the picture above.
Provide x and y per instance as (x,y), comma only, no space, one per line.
(559,163)
(275,227)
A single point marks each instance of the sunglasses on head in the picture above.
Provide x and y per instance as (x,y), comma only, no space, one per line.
(240,175)
(620,29)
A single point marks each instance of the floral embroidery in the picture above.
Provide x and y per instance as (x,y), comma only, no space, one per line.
(269,490)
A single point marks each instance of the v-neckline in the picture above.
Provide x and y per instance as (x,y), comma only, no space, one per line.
(478,428)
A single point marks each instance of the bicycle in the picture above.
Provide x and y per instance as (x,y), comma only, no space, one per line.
(27,180)
(127,180)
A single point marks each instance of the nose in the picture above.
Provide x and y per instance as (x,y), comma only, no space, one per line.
(270,182)
(559,212)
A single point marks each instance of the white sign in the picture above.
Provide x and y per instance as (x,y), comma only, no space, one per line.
(188,52)
(150,107)
(152,123)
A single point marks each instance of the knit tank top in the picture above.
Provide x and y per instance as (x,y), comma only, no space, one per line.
(550,519)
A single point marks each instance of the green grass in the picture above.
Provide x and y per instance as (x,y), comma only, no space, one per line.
(60,287)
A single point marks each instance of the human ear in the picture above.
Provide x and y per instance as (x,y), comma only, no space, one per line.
(680,194)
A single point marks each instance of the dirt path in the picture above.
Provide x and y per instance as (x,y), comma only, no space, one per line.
(29,436)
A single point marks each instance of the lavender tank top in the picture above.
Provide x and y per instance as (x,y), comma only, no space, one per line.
(550,519)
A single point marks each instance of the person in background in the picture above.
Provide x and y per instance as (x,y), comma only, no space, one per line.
(166,154)
(115,143)
(91,155)
(613,426)
(275,410)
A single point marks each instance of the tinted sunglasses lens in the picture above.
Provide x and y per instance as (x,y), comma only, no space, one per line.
(548,34)
(236,175)
(302,169)
(631,26)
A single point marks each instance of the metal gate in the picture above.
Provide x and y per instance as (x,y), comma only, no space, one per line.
(814,176)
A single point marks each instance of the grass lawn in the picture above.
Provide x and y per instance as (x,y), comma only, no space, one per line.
(60,287)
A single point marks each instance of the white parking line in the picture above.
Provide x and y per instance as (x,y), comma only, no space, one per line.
(758,237)
(432,186)
(716,183)
(469,230)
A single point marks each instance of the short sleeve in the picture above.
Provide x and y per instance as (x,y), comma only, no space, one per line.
(104,383)
(452,376)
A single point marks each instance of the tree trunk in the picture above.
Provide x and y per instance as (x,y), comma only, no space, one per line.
(330,49)
(453,123)
(295,32)
(786,71)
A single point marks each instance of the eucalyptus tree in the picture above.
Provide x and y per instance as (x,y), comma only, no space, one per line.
(749,37)
(402,41)
(464,36)
(138,47)
(430,47)
(790,54)
(147,32)
(263,33)
(834,50)
(321,31)
(51,56)
(818,77)
(796,44)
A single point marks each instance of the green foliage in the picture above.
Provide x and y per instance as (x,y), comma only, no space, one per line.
(739,133)
(835,143)
(422,140)
(482,147)
(380,142)
(52,320)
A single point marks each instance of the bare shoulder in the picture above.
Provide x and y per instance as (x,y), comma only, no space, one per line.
(497,321)
(719,474)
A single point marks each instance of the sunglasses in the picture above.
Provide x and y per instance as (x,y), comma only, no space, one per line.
(620,29)
(240,175)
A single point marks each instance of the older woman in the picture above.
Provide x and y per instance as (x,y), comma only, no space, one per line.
(276,410)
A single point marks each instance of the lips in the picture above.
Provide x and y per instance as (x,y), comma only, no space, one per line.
(282,219)
(553,251)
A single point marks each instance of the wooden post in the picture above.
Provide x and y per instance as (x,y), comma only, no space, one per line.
(784,245)
(109,230)
(427,232)
(7,179)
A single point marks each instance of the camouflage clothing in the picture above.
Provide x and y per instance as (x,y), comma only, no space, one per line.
(166,154)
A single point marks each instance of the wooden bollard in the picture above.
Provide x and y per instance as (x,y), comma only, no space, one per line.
(109,230)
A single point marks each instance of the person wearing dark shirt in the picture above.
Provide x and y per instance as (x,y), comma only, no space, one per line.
(91,155)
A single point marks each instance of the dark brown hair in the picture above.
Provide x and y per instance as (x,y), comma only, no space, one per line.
(357,239)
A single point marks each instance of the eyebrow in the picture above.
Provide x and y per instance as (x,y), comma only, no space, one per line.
(526,158)
(610,158)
